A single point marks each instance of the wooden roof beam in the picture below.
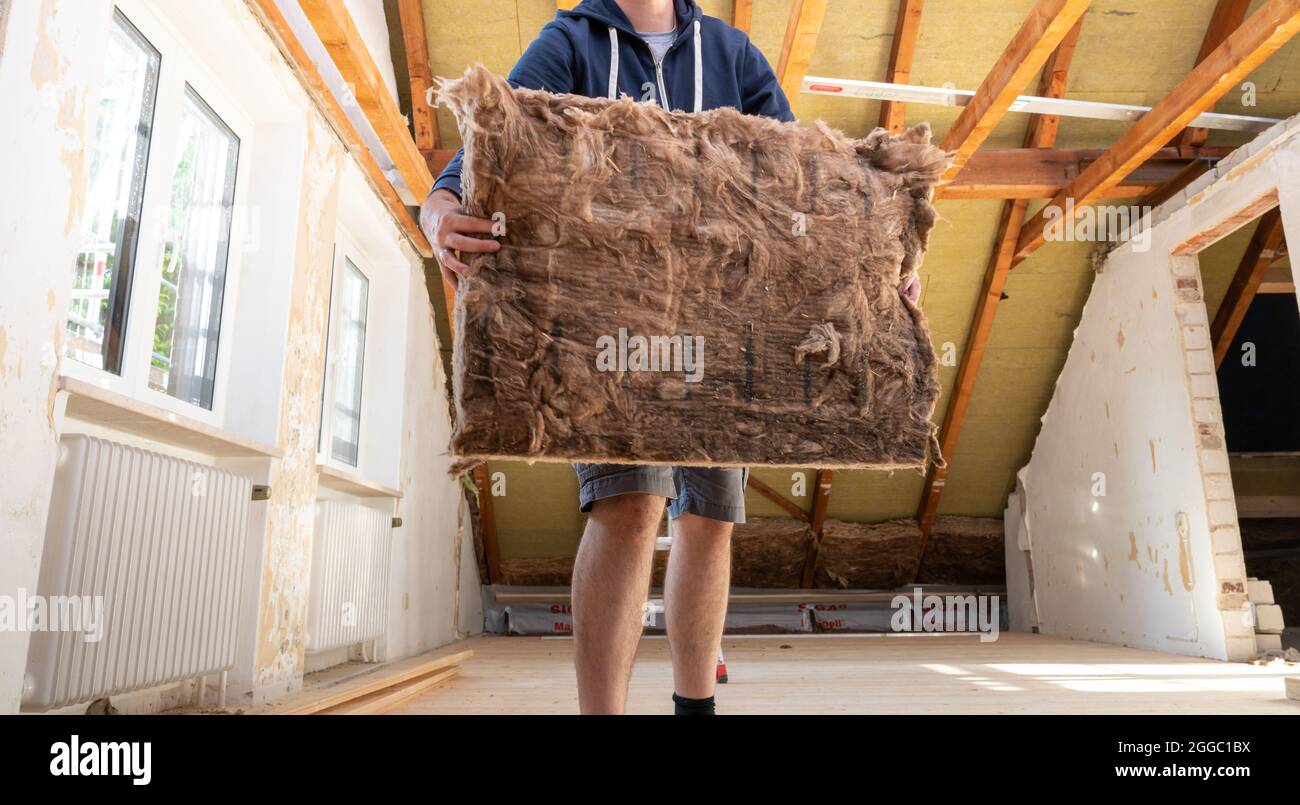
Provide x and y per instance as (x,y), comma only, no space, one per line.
(1027,173)
(1255,40)
(906,26)
(821,503)
(1265,246)
(1041,134)
(1227,16)
(777,498)
(487,519)
(1048,23)
(333,24)
(801,32)
(423,124)
(742,14)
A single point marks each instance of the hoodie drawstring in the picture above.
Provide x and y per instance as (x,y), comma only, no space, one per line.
(613,63)
(699,66)
(699,69)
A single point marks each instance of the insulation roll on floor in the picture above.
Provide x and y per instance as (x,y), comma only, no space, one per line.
(695,289)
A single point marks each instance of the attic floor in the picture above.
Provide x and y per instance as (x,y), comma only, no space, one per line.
(830,674)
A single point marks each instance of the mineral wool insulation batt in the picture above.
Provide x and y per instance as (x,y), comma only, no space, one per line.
(698,289)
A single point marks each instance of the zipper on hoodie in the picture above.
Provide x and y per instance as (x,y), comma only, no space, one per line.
(659,76)
(659,70)
(659,63)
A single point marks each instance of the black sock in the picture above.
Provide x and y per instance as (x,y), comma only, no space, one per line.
(683,706)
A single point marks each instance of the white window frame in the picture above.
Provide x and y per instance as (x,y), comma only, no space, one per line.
(347,248)
(177,69)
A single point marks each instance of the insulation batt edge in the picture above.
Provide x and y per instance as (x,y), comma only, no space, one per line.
(769,553)
(779,248)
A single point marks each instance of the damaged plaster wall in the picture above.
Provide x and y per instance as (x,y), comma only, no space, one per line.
(48,95)
(51,68)
(286,570)
(1127,516)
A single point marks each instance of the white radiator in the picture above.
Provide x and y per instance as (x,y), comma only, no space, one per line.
(349,575)
(149,550)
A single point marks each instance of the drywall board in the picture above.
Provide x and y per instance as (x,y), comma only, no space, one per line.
(1155,562)
(715,266)
(537,515)
(368,17)
(1022,612)
(866,496)
(1107,568)
(491,35)
(854,42)
(1012,392)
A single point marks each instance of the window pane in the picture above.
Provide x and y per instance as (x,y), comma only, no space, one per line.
(119,150)
(349,366)
(196,244)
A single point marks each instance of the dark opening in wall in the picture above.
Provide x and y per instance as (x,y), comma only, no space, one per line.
(1259,380)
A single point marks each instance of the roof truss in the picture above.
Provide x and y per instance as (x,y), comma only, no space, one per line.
(1048,22)
(1255,40)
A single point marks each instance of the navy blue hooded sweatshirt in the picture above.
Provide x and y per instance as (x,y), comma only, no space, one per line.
(593,50)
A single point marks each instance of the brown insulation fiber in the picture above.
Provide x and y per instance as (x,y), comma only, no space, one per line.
(769,552)
(548,571)
(867,556)
(696,289)
(765,552)
(965,550)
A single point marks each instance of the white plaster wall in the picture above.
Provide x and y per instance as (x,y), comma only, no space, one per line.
(1108,567)
(425,552)
(47,99)
(50,68)
(1156,561)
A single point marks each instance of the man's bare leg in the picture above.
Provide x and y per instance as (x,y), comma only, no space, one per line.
(611,576)
(695,601)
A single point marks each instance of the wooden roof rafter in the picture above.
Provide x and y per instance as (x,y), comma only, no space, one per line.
(1040,134)
(1046,25)
(742,14)
(797,48)
(338,33)
(907,24)
(1266,245)
(1267,30)
(414,38)
(816,523)
(1227,16)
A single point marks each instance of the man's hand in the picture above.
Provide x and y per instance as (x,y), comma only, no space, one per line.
(448,230)
(911,288)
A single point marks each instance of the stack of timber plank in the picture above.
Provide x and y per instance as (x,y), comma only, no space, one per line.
(376,692)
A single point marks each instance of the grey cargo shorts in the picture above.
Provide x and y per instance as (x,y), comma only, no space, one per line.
(713,492)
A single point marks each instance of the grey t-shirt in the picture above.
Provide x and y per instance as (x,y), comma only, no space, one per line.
(659,43)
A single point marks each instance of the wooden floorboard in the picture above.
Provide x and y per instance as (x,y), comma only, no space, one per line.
(1017,673)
